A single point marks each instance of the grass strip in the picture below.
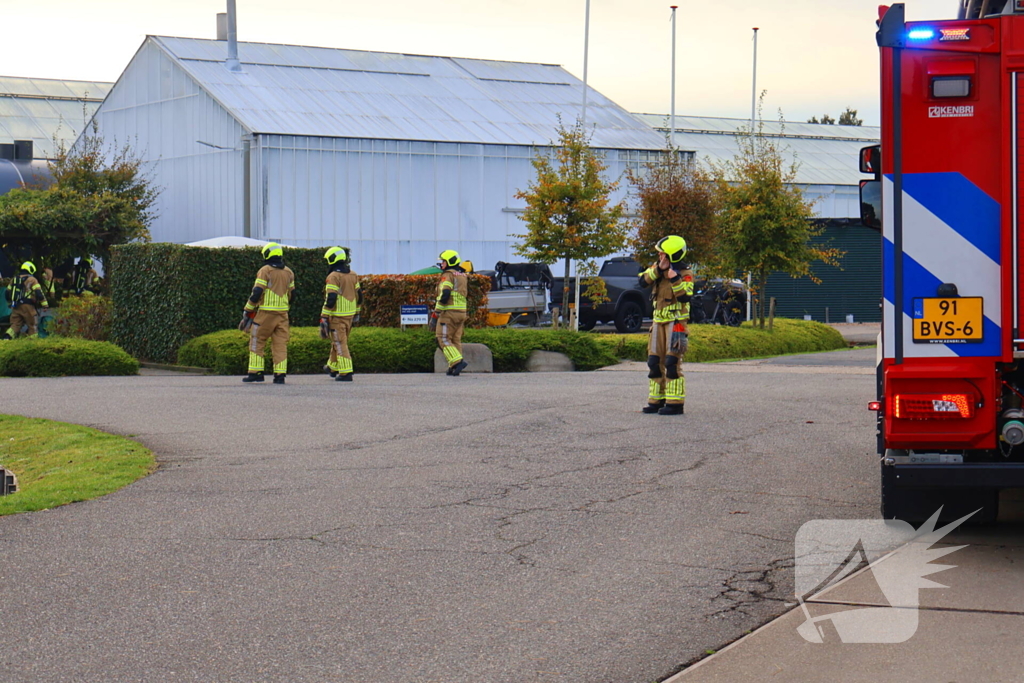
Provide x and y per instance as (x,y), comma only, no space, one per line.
(58,463)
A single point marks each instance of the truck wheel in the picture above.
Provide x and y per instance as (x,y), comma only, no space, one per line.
(587,323)
(917,505)
(629,317)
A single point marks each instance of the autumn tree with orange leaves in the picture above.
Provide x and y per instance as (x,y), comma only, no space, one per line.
(674,196)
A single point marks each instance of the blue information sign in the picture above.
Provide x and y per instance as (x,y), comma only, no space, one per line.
(415,315)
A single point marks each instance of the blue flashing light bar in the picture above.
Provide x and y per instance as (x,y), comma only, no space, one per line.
(921,34)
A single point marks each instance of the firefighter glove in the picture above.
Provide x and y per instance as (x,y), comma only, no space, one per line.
(325,328)
(246,321)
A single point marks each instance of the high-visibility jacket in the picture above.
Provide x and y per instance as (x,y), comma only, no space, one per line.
(277,284)
(671,297)
(347,294)
(457,283)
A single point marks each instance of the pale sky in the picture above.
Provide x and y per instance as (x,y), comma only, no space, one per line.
(814,56)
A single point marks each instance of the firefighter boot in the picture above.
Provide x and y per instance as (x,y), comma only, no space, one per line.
(671,409)
(253,377)
(459,367)
(653,407)
(329,371)
(278,378)
(347,377)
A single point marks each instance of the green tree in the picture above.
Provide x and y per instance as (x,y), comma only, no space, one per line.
(569,214)
(675,196)
(100,197)
(849,118)
(765,223)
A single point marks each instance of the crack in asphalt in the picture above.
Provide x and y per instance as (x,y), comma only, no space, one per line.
(747,587)
(757,535)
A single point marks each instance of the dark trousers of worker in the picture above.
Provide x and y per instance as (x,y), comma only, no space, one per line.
(22,315)
(665,360)
(450,325)
(340,360)
(272,325)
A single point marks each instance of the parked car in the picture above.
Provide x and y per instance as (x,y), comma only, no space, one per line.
(629,303)
(718,301)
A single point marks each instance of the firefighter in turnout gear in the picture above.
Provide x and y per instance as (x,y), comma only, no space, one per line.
(84,277)
(450,310)
(26,297)
(343,299)
(671,283)
(266,314)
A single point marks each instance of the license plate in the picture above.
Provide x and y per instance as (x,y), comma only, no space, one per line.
(948,320)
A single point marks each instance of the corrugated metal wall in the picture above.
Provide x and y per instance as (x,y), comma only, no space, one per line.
(854,289)
(165,116)
(398,204)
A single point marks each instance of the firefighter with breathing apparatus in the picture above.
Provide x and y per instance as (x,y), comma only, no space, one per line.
(671,283)
(449,317)
(27,299)
(266,314)
(84,277)
(342,301)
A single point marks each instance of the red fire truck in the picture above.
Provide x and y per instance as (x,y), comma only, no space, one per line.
(947,195)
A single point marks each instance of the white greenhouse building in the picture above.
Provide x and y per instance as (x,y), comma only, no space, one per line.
(396,156)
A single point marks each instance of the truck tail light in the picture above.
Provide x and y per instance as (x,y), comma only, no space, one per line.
(933,406)
(875,406)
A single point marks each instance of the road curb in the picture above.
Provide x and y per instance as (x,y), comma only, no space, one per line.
(186,369)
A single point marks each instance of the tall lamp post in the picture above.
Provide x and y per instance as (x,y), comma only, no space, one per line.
(753,115)
(672,124)
(575,315)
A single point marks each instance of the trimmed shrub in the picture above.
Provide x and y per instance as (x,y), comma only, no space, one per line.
(376,349)
(166,294)
(717,342)
(61,356)
(86,317)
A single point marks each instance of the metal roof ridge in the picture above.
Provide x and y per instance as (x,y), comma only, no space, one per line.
(373,52)
(784,136)
(198,81)
(745,120)
(59,80)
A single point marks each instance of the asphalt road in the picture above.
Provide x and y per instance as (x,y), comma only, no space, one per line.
(495,528)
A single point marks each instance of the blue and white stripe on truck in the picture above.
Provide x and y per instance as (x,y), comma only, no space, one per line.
(950,234)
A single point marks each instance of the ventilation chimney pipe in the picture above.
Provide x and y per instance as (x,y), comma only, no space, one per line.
(232,62)
(222,26)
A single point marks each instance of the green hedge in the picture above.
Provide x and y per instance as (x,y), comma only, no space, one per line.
(717,342)
(376,349)
(166,294)
(60,356)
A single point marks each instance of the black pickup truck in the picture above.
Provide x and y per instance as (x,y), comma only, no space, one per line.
(717,301)
(629,303)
